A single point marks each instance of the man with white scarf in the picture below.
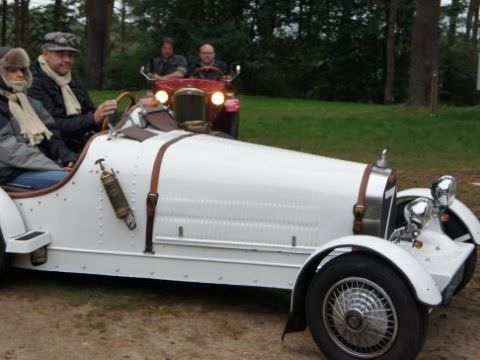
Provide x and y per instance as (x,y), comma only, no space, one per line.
(32,153)
(63,97)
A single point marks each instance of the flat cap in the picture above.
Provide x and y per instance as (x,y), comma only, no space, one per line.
(60,41)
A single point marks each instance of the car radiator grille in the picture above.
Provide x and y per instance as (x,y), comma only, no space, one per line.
(189,108)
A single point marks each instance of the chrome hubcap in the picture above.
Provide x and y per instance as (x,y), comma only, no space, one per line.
(360,317)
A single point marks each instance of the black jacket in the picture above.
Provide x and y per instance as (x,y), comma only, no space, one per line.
(49,94)
(16,156)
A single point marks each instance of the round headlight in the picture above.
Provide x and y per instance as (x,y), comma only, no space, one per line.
(418,212)
(444,190)
(218,98)
(161,96)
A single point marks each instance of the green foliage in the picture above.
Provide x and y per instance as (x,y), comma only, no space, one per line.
(313,49)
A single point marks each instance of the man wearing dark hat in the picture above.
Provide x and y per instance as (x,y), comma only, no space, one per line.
(64,98)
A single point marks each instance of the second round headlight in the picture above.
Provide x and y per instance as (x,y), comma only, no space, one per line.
(418,212)
(161,96)
(218,98)
(444,190)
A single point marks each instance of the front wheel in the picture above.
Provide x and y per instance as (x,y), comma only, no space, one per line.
(358,307)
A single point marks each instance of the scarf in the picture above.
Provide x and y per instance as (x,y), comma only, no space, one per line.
(32,129)
(72,106)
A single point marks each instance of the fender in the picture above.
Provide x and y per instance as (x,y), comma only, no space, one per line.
(458,208)
(11,222)
(423,286)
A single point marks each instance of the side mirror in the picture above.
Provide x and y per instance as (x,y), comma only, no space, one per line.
(238,68)
(145,75)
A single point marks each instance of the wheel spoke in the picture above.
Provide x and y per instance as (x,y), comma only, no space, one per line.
(361,317)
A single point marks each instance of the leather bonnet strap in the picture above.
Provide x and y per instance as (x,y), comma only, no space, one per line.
(152,197)
(359,207)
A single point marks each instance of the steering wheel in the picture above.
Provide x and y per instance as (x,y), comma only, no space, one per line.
(132,101)
(209,68)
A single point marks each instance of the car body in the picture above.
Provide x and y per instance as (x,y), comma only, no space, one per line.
(201,104)
(207,209)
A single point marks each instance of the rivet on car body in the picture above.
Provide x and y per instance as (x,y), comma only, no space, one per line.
(294,241)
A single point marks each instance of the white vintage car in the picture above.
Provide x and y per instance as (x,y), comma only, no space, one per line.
(206,209)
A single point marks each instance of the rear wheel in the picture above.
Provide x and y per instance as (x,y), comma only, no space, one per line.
(358,307)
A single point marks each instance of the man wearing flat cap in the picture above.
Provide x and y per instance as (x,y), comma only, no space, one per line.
(64,98)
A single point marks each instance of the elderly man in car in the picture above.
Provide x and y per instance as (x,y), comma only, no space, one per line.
(169,65)
(63,97)
(208,67)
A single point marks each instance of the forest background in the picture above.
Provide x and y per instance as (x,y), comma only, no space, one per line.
(378,51)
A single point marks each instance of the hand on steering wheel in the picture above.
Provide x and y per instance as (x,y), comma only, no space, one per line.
(119,98)
(209,68)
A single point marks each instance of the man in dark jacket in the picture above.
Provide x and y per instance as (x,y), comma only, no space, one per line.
(208,67)
(169,65)
(63,97)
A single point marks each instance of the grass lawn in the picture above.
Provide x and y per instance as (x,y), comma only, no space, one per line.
(414,138)
(421,147)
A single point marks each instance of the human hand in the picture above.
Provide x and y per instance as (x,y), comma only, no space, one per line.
(69,166)
(104,109)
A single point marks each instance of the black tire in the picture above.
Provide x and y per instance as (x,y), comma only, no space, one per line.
(377,288)
(234,131)
(5,259)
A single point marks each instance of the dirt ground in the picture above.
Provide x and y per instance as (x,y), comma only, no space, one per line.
(60,316)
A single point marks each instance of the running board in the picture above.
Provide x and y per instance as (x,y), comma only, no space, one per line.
(28,242)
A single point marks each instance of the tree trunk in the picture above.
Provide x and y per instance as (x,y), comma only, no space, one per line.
(452,26)
(476,6)
(17,26)
(25,25)
(4,22)
(424,57)
(390,72)
(99,20)
(22,23)
(123,15)
(472,9)
(57,15)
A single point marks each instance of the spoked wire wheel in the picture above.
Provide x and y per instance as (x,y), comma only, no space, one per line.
(360,307)
(360,317)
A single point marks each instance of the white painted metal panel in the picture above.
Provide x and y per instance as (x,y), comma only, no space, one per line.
(227,190)
(11,223)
